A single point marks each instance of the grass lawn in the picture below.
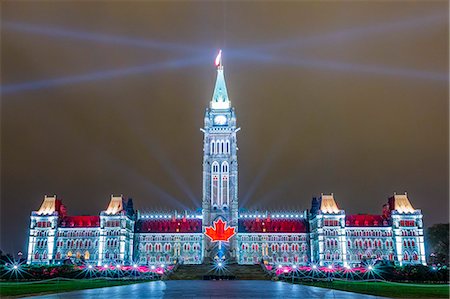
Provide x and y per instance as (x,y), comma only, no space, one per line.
(57,286)
(387,289)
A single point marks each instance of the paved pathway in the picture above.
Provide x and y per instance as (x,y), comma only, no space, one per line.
(200,289)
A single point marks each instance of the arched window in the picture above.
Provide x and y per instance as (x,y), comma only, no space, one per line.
(406,256)
(215,183)
(225,184)
(228,146)
(336,255)
(274,247)
(86,255)
(211,147)
(219,146)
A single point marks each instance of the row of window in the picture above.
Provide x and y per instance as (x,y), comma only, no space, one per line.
(331,243)
(115,232)
(112,223)
(78,233)
(112,243)
(41,233)
(286,247)
(219,192)
(369,244)
(328,222)
(220,147)
(152,259)
(77,243)
(360,256)
(273,238)
(41,243)
(406,256)
(43,256)
(328,256)
(254,259)
(409,243)
(369,233)
(408,232)
(158,247)
(407,223)
(43,224)
(327,232)
(172,238)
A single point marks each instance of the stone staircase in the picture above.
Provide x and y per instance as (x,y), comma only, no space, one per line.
(207,271)
(248,272)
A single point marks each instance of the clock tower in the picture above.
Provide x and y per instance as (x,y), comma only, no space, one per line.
(220,168)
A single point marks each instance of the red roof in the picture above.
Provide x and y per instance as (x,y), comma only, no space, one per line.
(169,226)
(268,225)
(365,220)
(80,221)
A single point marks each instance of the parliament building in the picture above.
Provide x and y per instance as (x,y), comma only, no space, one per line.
(323,235)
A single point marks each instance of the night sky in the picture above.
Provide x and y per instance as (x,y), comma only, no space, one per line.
(102,98)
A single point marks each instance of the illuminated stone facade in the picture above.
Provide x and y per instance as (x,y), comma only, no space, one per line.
(323,235)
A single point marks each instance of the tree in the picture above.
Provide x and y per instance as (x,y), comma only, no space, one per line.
(438,243)
(5,258)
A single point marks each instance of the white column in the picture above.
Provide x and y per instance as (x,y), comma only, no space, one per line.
(31,244)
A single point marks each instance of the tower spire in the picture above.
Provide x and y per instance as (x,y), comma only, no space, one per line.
(220,98)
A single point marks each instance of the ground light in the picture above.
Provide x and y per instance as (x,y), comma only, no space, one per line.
(88,271)
(14,270)
(219,267)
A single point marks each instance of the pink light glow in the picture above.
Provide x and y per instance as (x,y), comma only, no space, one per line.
(218,61)
(283,270)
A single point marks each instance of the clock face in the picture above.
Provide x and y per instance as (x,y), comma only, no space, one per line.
(220,120)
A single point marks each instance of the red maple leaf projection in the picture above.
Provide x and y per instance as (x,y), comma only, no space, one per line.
(219,233)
